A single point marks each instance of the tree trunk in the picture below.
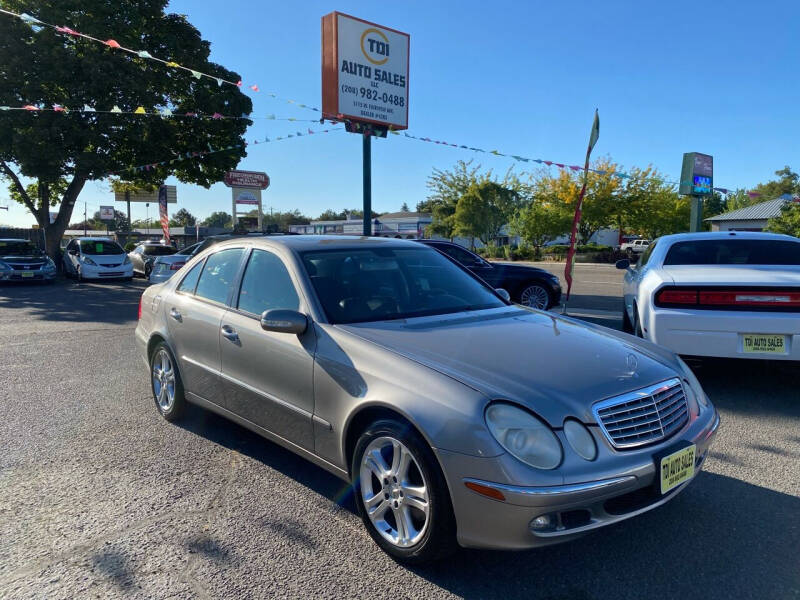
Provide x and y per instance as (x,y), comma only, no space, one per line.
(55,231)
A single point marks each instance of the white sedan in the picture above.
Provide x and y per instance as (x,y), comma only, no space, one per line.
(731,294)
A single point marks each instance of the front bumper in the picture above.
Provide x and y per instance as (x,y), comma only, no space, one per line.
(720,333)
(576,508)
(100,272)
(37,275)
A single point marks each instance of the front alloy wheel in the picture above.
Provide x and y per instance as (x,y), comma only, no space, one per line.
(401,493)
(535,296)
(394,492)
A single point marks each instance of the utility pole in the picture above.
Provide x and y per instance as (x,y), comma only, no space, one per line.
(128,201)
(367,151)
(147,217)
(84,219)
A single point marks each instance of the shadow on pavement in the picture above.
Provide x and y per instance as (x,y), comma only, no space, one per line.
(230,435)
(113,302)
(700,545)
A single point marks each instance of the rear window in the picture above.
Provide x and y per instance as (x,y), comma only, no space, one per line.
(159,250)
(734,252)
(100,247)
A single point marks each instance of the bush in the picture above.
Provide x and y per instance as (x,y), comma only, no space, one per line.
(130,246)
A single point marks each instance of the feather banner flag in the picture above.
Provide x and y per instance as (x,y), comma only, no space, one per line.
(593,137)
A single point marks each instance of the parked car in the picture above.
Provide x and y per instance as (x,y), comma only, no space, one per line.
(635,246)
(22,260)
(725,294)
(528,286)
(96,258)
(143,256)
(165,266)
(455,415)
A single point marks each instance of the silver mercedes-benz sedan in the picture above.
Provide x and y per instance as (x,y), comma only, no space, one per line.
(458,417)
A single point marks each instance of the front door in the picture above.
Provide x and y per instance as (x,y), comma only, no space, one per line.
(267,375)
(194,314)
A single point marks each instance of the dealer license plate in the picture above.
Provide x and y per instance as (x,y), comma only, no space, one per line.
(763,343)
(27,274)
(677,468)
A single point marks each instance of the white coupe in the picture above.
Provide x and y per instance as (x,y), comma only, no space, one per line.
(733,294)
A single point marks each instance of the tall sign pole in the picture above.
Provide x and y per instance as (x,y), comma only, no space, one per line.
(364,84)
(367,183)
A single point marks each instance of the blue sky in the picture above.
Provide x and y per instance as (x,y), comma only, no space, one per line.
(718,77)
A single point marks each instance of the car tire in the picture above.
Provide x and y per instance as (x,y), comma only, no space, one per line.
(78,277)
(407,479)
(627,326)
(637,325)
(147,270)
(535,295)
(165,383)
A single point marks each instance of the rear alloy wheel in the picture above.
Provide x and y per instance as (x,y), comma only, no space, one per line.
(535,296)
(401,494)
(166,384)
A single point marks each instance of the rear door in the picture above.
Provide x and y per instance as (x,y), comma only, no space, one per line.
(267,376)
(194,313)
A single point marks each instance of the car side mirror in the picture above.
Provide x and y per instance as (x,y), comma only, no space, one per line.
(74,252)
(284,321)
(623,264)
(503,294)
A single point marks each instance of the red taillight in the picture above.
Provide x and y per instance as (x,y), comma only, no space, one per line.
(750,298)
(176,266)
(743,299)
(139,316)
(676,296)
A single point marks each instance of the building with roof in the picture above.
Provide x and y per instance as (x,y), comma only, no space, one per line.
(750,218)
(406,225)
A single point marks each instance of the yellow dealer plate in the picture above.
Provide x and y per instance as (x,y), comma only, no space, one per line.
(677,468)
(763,343)
(27,274)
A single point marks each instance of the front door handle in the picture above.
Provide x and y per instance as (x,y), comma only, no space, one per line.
(229,333)
(175,314)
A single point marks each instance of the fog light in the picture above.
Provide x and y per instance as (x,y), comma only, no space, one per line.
(542,522)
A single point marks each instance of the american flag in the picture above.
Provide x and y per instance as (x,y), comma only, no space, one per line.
(162,209)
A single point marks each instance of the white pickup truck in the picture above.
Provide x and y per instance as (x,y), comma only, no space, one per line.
(635,246)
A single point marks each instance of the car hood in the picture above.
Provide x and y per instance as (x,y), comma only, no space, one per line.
(521,270)
(107,259)
(553,365)
(23,260)
(765,275)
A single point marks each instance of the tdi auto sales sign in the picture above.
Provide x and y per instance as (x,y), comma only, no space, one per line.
(247,179)
(364,71)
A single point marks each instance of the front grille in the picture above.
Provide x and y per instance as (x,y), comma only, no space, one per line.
(111,274)
(26,266)
(111,266)
(645,416)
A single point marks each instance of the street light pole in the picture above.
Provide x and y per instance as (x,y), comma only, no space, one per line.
(367,151)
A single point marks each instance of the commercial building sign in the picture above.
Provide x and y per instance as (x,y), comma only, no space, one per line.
(364,71)
(697,175)
(106,213)
(147,195)
(256,180)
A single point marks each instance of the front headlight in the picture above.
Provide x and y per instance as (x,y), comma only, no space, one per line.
(127,260)
(524,436)
(580,439)
(697,389)
(49,265)
(88,261)
(4,266)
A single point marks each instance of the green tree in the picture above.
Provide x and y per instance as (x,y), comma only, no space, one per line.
(788,182)
(483,211)
(404,207)
(537,223)
(61,151)
(182,218)
(218,219)
(788,221)
(446,189)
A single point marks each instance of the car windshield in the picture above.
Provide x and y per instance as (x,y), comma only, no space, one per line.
(100,247)
(19,248)
(734,252)
(159,250)
(378,284)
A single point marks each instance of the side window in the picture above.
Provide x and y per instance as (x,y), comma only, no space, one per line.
(190,281)
(646,255)
(266,285)
(218,274)
(465,258)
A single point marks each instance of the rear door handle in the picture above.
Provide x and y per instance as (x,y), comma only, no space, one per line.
(229,333)
(175,314)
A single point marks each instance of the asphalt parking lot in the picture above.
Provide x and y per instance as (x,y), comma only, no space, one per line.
(100,497)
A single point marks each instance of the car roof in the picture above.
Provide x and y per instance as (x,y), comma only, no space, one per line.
(302,243)
(719,235)
(94,239)
(16,240)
